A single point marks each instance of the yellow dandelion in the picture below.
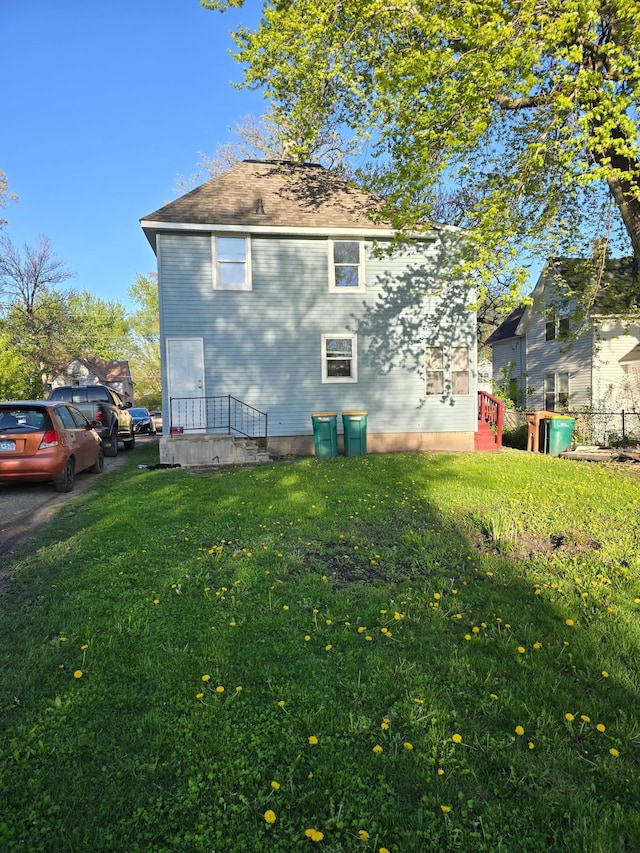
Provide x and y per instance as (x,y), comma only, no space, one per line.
(313,740)
(531,745)
(361,629)
(206,678)
(445,809)
(584,718)
(408,745)
(84,648)
(307,638)
(328,647)
(219,689)
(275,785)
(285,606)
(156,601)
(383,850)
(369,638)
(232,623)
(493,695)
(605,674)
(77,673)
(419,701)
(569,717)
(364,835)
(456,738)
(440,771)
(601,727)
(613,751)
(314,834)
(537,645)
(467,636)
(475,630)
(377,749)
(239,688)
(270,816)
(519,730)
(281,703)
(569,622)
(199,695)
(384,725)
(437,596)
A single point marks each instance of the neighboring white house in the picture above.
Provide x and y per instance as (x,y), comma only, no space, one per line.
(93,370)
(280,287)
(576,347)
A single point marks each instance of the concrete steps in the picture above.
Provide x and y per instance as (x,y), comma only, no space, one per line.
(205,450)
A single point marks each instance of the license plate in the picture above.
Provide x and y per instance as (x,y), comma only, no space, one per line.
(7,445)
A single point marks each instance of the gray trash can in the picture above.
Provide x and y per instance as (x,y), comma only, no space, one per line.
(325,434)
(355,433)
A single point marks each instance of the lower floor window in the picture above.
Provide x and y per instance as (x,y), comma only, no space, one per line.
(446,370)
(556,392)
(339,358)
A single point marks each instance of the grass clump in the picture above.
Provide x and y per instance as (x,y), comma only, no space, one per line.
(397,652)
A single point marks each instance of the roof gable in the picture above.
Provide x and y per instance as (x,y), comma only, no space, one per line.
(277,194)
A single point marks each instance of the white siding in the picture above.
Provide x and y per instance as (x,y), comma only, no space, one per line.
(557,356)
(616,386)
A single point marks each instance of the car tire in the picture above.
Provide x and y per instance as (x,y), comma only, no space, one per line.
(65,481)
(112,444)
(98,466)
(130,443)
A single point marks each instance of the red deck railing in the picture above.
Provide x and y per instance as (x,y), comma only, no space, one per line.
(490,411)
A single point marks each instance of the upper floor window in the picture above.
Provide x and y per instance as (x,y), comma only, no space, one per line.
(339,358)
(556,325)
(346,269)
(231,263)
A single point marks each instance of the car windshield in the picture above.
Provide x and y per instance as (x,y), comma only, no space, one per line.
(139,413)
(21,418)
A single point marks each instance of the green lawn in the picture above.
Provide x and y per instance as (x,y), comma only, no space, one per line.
(402,653)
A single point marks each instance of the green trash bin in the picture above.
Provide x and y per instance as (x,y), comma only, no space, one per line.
(325,434)
(355,433)
(558,434)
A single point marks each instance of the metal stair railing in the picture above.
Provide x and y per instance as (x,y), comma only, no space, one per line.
(215,414)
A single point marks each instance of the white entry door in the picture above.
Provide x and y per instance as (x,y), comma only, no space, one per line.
(185,360)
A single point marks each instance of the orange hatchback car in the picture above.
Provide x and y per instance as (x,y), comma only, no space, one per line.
(47,441)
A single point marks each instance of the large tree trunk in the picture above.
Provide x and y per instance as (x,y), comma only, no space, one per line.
(629,207)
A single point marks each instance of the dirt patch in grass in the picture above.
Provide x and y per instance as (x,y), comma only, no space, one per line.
(529,545)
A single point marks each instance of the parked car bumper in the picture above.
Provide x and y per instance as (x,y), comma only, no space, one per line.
(45,465)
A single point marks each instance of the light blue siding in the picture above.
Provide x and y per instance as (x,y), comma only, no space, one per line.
(264,346)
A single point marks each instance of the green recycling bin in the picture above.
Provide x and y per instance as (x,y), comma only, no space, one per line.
(355,433)
(558,434)
(325,434)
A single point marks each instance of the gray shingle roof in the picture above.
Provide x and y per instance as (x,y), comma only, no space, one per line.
(273,194)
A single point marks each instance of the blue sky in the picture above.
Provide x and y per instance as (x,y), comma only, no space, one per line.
(104,105)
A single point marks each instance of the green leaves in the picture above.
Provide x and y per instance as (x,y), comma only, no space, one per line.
(518,101)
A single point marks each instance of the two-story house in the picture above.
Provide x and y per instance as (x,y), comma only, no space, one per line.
(280,286)
(576,345)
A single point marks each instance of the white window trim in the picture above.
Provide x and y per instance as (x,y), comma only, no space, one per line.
(354,359)
(332,268)
(248,283)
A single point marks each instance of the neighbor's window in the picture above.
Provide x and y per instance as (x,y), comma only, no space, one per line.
(434,370)
(345,265)
(459,370)
(556,392)
(556,325)
(231,267)
(339,358)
